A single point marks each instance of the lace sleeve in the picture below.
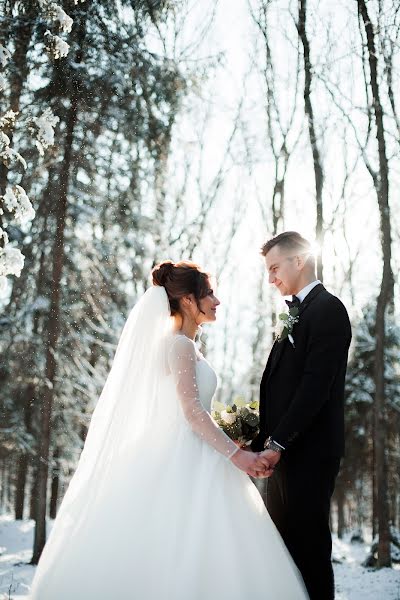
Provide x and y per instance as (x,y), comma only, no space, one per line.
(182,362)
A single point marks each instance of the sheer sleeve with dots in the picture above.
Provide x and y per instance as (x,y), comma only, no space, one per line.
(182,362)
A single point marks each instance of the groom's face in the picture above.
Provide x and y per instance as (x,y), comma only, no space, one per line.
(284,271)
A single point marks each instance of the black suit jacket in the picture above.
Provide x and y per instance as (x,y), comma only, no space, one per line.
(302,388)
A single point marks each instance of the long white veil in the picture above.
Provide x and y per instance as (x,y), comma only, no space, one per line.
(127,409)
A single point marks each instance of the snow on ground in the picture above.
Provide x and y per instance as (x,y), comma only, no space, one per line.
(16,539)
(353,582)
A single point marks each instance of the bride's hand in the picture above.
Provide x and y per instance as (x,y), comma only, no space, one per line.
(252,463)
(263,467)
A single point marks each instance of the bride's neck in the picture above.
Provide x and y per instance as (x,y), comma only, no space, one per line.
(186,326)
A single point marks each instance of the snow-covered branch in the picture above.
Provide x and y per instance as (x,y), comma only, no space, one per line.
(14,202)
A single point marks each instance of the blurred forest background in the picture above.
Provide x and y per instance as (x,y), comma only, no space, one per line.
(133,131)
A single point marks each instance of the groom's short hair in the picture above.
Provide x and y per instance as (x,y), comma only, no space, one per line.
(292,241)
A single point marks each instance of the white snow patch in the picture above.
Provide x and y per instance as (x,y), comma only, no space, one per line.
(58,47)
(61,16)
(17,201)
(354,582)
(5,55)
(45,129)
(11,261)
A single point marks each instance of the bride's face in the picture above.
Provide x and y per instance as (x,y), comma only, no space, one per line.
(208,306)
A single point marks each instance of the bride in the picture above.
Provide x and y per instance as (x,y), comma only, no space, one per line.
(160,506)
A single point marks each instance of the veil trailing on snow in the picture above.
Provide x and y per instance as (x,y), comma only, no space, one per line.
(128,407)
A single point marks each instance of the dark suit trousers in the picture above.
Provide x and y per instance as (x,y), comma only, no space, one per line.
(298,500)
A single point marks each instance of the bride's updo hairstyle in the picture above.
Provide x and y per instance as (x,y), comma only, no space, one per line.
(179,280)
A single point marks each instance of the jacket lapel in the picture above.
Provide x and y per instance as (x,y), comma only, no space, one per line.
(276,352)
(278,347)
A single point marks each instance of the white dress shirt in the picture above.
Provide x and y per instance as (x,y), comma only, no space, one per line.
(306,290)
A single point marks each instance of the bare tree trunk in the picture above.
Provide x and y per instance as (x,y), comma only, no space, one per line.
(22,467)
(374,494)
(54,324)
(340,501)
(385,300)
(3,484)
(52,340)
(318,171)
(5,491)
(55,484)
(33,492)
(28,392)
(23,459)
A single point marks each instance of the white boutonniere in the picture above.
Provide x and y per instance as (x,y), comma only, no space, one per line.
(285,324)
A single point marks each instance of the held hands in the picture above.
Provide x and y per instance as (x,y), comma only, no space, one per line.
(272,458)
(256,464)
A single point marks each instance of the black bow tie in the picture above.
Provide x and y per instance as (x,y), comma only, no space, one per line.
(293,302)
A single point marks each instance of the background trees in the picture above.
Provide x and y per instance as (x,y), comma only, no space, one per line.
(184,131)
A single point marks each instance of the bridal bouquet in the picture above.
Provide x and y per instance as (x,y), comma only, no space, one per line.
(239,421)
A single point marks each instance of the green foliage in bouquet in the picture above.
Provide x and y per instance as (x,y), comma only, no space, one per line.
(240,421)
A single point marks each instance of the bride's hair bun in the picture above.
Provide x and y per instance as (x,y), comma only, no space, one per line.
(181,279)
(162,272)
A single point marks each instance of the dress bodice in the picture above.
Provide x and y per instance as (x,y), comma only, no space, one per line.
(206,382)
(194,383)
(206,378)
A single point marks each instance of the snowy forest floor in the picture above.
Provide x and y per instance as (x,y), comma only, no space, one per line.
(353,582)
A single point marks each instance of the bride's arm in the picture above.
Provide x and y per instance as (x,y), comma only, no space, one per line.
(182,362)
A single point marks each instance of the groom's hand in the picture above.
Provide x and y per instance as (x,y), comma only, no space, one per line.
(251,463)
(263,468)
(271,457)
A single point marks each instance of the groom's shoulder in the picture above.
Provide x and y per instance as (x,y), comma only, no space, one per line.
(331,303)
(331,298)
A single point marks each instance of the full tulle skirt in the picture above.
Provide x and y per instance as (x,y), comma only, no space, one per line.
(176,521)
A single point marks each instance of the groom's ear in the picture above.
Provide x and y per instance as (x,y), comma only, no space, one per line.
(300,261)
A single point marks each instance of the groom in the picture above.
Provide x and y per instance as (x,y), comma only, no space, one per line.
(302,412)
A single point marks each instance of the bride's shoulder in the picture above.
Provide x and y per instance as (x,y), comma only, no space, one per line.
(175,336)
(180,344)
(180,340)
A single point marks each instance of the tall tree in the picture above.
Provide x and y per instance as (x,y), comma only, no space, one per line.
(312,130)
(66,80)
(282,130)
(385,297)
(354,484)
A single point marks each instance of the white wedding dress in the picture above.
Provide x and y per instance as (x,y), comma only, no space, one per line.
(176,520)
